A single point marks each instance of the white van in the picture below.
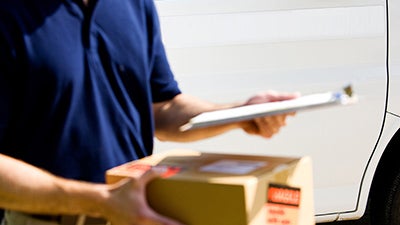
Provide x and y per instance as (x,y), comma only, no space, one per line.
(226,51)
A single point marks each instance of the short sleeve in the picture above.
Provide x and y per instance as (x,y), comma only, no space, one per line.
(163,83)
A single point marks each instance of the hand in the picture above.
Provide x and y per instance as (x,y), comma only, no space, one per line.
(269,125)
(129,206)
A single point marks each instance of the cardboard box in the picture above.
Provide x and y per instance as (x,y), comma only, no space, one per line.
(220,189)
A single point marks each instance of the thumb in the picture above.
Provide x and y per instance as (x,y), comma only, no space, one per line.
(153,216)
(148,176)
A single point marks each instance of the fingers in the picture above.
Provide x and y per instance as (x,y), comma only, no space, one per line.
(266,126)
(129,205)
(148,176)
(271,96)
(274,96)
(148,215)
(250,127)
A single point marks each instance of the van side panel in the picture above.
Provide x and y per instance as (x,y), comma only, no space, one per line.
(225,51)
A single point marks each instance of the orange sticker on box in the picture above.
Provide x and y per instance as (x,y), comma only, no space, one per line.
(282,205)
(166,171)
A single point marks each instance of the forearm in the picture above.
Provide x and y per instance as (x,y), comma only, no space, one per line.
(169,116)
(173,114)
(29,189)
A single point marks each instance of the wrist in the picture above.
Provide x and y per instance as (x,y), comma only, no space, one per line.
(98,203)
(83,198)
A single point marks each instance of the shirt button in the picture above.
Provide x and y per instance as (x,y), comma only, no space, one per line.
(121,68)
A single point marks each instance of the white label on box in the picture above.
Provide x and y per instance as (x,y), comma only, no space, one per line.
(233,166)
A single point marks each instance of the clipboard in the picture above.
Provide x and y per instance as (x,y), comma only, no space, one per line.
(248,112)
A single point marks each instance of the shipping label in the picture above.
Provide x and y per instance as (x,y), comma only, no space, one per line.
(237,167)
(282,205)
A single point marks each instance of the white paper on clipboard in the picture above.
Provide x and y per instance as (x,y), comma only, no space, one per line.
(267,109)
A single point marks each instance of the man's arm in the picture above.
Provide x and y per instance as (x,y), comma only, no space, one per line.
(29,189)
(170,115)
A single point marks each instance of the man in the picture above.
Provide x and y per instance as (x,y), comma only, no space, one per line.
(84,87)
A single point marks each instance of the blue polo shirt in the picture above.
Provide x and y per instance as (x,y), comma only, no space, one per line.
(77,83)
